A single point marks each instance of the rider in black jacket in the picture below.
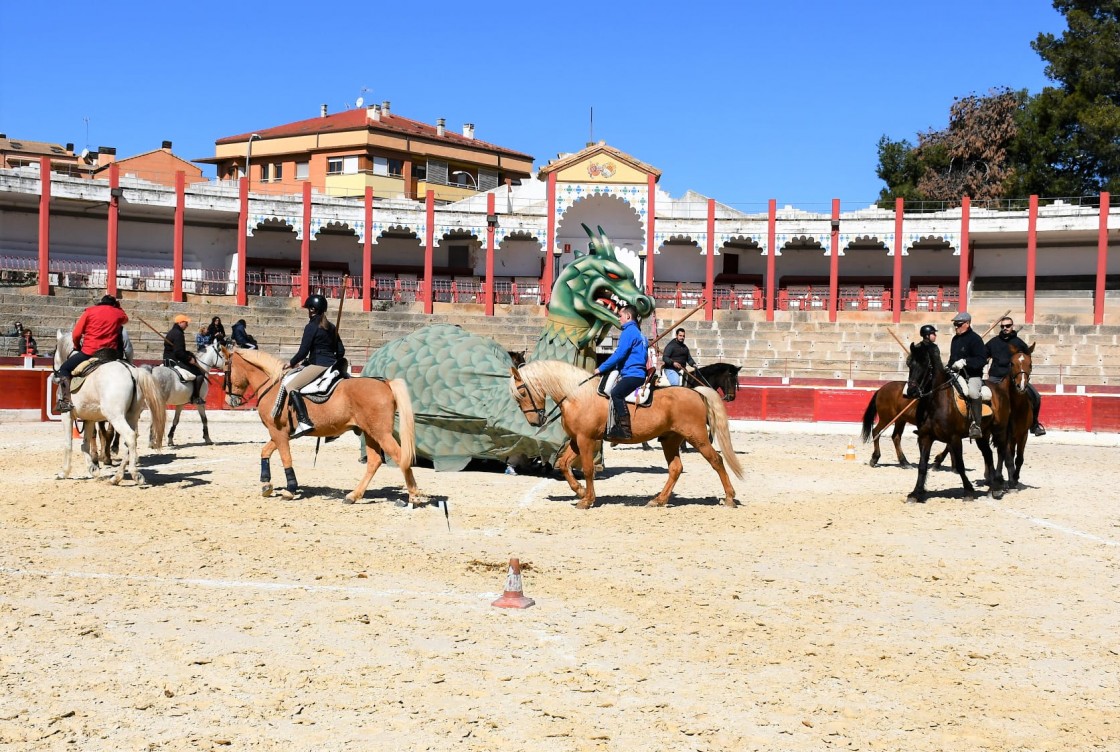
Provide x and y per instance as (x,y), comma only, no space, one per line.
(318,350)
(175,353)
(999,350)
(968,355)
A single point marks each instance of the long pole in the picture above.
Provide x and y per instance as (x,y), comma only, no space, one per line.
(341,300)
(157,332)
(683,319)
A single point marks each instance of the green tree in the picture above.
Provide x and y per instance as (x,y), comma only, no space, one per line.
(900,168)
(1068,140)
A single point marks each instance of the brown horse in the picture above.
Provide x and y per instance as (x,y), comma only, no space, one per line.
(1021,409)
(939,419)
(675,416)
(886,404)
(367,405)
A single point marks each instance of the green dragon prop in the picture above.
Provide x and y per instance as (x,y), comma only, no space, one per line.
(459,382)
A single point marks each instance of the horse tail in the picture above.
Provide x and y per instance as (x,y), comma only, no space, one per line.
(717,421)
(408,422)
(153,399)
(869,419)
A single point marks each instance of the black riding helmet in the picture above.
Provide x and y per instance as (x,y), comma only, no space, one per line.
(927,330)
(317,304)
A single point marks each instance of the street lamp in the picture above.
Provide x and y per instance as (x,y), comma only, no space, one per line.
(249,152)
(474,180)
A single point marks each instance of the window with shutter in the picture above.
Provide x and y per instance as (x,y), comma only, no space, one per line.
(437,171)
(487,179)
(380,166)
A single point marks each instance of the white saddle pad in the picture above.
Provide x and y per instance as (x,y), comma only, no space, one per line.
(638,397)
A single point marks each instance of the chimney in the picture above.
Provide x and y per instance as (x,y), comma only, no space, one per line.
(468,130)
(373,112)
(106,155)
(385,107)
(166,145)
(322,110)
(70,148)
(440,126)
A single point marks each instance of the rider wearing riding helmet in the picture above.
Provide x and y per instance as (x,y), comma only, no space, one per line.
(929,333)
(318,350)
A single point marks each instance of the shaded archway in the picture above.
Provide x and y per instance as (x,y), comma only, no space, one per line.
(619,220)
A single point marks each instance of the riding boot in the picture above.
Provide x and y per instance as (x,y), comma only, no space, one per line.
(621,428)
(1036,402)
(976,411)
(304,425)
(195,389)
(64,394)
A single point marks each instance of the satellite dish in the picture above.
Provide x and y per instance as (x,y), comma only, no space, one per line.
(360,102)
(84,155)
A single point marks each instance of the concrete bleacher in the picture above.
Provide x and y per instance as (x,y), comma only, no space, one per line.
(803,346)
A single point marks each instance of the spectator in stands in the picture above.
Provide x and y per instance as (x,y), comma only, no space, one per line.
(676,358)
(999,350)
(202,339)
(175,354)
(241,338)
(17,331)
(27,345)
(968,356)
(216,331)
(98,330)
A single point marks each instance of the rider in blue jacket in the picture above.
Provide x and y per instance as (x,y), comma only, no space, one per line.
(630,358)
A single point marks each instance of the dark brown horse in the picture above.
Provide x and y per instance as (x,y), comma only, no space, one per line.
(886,404)
(1021,411)
(939,419)
(360,403)
(675,416)
(723,377)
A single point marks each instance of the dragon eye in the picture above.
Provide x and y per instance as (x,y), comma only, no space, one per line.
(612,275)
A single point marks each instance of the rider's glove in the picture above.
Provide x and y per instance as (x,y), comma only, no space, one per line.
(958,365)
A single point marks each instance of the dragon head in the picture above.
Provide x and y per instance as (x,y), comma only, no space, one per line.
(596,286)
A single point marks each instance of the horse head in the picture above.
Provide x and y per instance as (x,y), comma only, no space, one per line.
(595,287)
(63,349)
(731,384)
(530,404)
(922,366)
(1021,367)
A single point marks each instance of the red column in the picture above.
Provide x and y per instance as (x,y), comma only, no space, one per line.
(242,240)
(44,225)
(111,243)
(177,237)
(834,263)
(367,253)
(550,241)
(651,221)
(899,244)
(489,255)
(305,246)
(1032,258)
(710,263)
(429,247)
(962,282)
(771,242)
(1102,260)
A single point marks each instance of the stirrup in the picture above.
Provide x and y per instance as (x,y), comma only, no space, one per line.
(64,407)
(1038,430)
(975,432)
(302,429)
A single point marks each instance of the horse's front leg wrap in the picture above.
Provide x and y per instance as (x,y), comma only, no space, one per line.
(290,474)
(266,471)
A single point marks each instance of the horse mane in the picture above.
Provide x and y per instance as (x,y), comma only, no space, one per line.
(554,377)
(270,364)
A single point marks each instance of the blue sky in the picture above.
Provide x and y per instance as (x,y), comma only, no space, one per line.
(742,101)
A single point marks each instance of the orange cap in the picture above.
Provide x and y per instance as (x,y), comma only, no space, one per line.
(182,318)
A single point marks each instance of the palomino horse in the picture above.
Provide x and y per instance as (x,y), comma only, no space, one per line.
(886,404)
(116,392)
(719,376)
(675,416)
(365,404)
(1021,410)
(176,393)
(940,420)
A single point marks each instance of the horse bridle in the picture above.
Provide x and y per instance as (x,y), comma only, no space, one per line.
(538,411)
(927,378)
(1024,374)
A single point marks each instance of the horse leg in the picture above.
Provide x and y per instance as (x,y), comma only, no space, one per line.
(957,449)
(291,485)
(995,482)
(130,455)
(170,433)
(266,468)
(373,462)
(671,447)
(939,460)
(1020,446)
(385,441)
(564,465)
(68,427)
(716,461)
(896,437)
(205,425)
(586,452)
(918,495)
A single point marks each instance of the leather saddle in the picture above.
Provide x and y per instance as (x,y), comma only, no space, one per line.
(642,397)
(960,385)
(320,390)
(85,369)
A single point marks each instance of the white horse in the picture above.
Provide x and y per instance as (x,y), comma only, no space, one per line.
(176,393)
(116,392)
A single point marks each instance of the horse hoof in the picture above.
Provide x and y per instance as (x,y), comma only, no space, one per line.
(266,490)
(914,500)
(207,442)
(349,498)
(583,505)
(286,495)
(730,502)
(904,465)
(874,463)
(656,503)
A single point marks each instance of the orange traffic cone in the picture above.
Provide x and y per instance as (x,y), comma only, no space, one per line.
(851,453)
(513,597)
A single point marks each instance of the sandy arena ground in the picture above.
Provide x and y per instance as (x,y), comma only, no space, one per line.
(823,614)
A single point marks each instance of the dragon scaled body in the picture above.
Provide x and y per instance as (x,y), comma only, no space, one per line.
(458,381)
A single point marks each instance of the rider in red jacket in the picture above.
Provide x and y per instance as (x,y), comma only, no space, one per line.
(98,328)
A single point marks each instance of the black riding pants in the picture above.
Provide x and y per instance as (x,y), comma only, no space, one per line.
(76,359)
(622,389)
